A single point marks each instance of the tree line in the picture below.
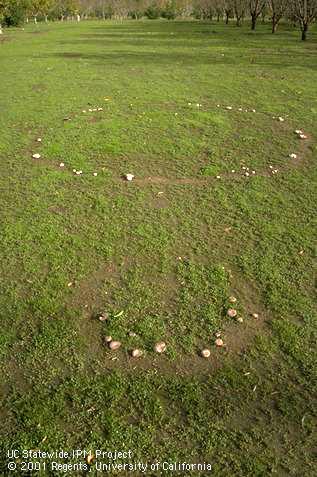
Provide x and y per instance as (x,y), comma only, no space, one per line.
(299,12)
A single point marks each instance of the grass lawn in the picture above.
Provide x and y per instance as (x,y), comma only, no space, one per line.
(161,254)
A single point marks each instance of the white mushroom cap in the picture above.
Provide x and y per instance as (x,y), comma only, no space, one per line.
(205,353)
(232,313)
(160,347)
(114,345)
(136,353)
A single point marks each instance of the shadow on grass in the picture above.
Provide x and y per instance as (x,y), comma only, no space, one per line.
(191,43)
(273,60)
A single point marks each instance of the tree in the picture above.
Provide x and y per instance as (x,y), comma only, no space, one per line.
(45,6)
(15,12)
(239,7)
(228,10)
(65,8)
(278,9)
(305,12)
(3,8)
(256,7)
(219,8)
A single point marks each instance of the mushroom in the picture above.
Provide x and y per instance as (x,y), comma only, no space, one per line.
(114,345)
(219,342)
(160,347)
(255,315)
(103,317)
(136,353)
(95,174)
(62,164)
(108,339)
(240,319)
(293,156)
(129,177)
(232,313)
(232,299)
(36,156)
(205,353)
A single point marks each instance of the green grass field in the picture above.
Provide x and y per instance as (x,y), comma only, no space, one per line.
(161,254)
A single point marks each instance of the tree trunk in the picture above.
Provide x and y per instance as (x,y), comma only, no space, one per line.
(27,19)
(62,18)
(35,20)
(304,32)
(227,18)
(218,17)
(274,25)
(46,20)
(78,18)
(253,22)
(1,32)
